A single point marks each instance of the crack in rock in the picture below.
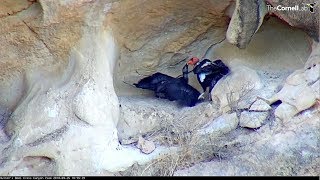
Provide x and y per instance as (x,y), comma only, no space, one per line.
(55,135)
(38,37)
(12,5)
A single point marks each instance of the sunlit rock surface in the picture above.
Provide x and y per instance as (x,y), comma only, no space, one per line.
(65,109)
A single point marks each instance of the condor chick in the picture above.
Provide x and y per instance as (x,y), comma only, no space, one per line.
(177,90)
(173,89)
(153,81)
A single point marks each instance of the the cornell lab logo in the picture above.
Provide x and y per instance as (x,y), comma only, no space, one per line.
(311,6)
(304,7)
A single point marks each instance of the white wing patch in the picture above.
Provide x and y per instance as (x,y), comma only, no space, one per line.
(202,76)
(206,64)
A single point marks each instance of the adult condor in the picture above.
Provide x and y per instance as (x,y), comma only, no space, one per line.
(208,72)
(173,89)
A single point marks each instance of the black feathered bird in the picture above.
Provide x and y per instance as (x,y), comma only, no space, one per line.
(208,72)
(153,81)
(173,89)
(178,90)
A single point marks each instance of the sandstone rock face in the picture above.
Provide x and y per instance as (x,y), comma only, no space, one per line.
(305,19)
(245,22)
(299,110)
(70,44)
(237,89)
(252,119)
(4,116)
(259,105)
(283,148)
(301,89)
(53,70)
(248,17)
(75,131)
(221,125)
(161,35)
(63,108)
(145,146)
(140,116)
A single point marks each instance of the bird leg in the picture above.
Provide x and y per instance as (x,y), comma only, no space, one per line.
(213,83)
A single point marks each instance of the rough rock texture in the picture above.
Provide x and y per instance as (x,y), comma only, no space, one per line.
(248,17)
(260,105)
(145,146)
(52,70)
(303,19)
(58,64)
(301,89)
(4,116)
(237,90)
(256,153)
(246,20)
(161,35)
(252,119)
(140,116)
(296,117)
(63,64)
(13,7)
(221,125)
(78,130)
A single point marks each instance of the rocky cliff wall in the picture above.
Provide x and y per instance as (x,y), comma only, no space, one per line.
(64,106)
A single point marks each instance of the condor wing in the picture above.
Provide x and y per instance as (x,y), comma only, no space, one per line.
(151,82)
